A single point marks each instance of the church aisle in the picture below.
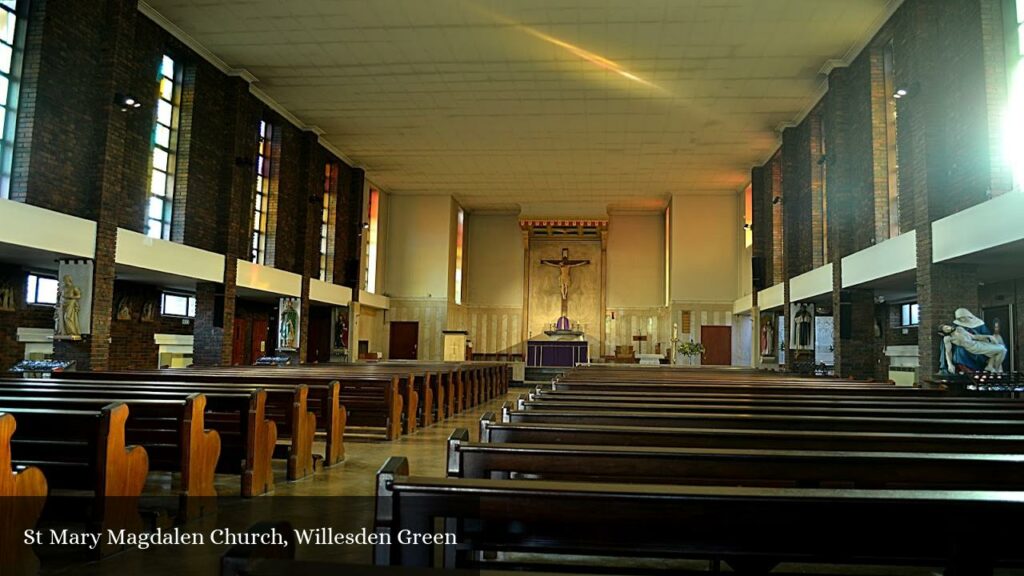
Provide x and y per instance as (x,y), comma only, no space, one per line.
(425,450)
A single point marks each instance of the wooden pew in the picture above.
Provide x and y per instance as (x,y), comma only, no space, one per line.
(739,438)
(85,450)
(246,436)
(323,411)
(809,400)
(741,419)
(22,496)
(943,412)
(732,467)
(759,389)
(285,405)
(171,430)
(751,528)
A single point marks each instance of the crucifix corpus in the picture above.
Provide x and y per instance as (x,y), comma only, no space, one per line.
(564,265)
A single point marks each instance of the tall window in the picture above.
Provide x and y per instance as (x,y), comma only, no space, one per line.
(261,196)
(325,224)
(165,142)
(371,241)
(892,96)
(458,255)
(823,175)
(12,41)
(1013,18)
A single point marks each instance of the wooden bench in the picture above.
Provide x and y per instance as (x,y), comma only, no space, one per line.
(759,389)
(732,467)
(809,400)
(22,496)
(741,419)
(322,400)
(246,436)
(880,409)
(85,450)
(732,438)
(751,528)
(171,430)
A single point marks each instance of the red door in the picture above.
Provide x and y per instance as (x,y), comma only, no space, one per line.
(260,345)
(717,342)
(239,342)
(403,344)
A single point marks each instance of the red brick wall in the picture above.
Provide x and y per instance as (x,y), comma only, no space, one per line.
(23,316)
(79,155)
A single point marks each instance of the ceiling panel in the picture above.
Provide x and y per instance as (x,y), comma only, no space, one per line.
(567,105)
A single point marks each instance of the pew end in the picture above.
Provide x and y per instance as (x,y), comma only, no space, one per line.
(458,437)
(22,496)
(486,421)
(199,455)
(384,514)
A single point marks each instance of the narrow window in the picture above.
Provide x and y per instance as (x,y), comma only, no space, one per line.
(165,141)
(325,224)
(180,305)
(261,196)
(371,242)
(41,290)
(892,96)
(910,314)
(12,42)
(458,256)
(823,179)
(1013,18)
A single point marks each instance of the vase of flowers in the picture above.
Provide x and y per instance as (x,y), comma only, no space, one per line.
(691,352)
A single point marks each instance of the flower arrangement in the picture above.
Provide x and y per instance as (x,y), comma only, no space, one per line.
(691,349)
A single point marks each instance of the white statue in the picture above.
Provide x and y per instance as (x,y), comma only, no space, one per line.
(980,344)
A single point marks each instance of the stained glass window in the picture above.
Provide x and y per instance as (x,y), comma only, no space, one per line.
(161,182)
(260,195)
(325,224)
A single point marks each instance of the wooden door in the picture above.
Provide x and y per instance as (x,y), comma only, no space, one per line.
(404,340)
(318,339)
(239,342)
(717,342)
(260,345)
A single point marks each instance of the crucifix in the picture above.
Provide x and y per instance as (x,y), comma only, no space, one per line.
(564,265)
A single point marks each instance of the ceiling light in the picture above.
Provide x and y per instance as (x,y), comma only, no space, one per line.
(126,102)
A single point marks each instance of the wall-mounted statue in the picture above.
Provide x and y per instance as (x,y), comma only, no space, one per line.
(148,312)
(969,346)
(7,297)
(124,309)
(67,309)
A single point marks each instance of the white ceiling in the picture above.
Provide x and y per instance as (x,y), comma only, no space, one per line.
(519,103)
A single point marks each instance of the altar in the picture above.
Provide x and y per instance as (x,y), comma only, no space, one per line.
(556,353)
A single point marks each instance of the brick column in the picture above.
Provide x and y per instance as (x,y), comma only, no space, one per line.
(215,303)
(93,352)
(941,289)
(857,356)
(313,179)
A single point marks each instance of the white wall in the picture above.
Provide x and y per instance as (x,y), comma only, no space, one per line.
(636,260)
(705,248)
(494,261)
(418,239)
